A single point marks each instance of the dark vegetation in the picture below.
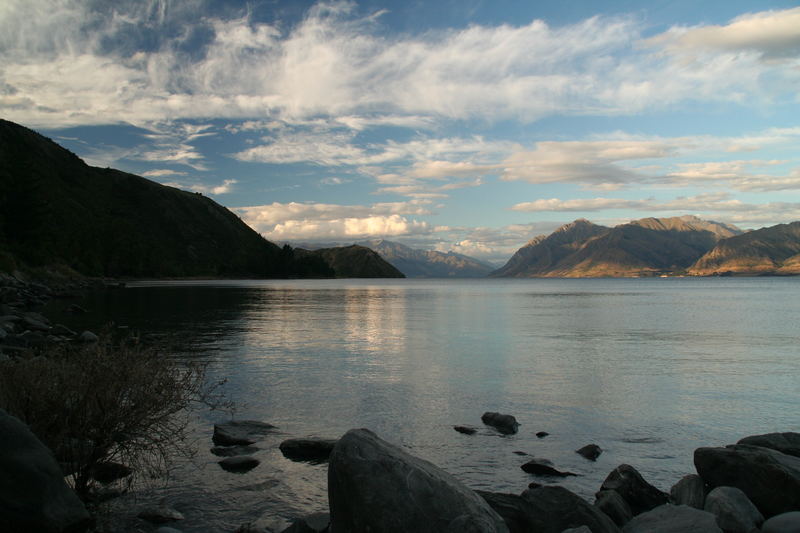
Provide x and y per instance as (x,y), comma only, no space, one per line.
(106,409)
(352,262)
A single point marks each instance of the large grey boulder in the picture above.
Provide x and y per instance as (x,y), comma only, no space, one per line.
(783,523)
(612,504)
(788,443)
(640,495)
(770,479)
(734,512)
(240,432)
(376,486)
(690,490)
(33,495)
(673,519)
(505,424)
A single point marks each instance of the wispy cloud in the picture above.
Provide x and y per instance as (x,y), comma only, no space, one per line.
(224,188)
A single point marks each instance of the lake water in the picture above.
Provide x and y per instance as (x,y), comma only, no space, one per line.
(649,369)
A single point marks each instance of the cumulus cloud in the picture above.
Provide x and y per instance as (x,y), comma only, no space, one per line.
(318,221)
(162,172)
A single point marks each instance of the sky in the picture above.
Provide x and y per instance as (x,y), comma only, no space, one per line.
(468,126)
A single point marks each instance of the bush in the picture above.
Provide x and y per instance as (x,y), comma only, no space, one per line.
(107,402)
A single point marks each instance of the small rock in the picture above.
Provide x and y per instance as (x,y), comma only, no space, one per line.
(783,523)
(534,485)
(239,463)
(313,523)
(60,329)
(505,424)
(240,432)
(88,337)
(230,451)
(3,333)
(690,490)
(518,452)
(542,434)
(34,325)
(673,519)
(4,357)
(466,430)
(165,529)
(268,523)
(161,514)
(612,504)
(543,467)
(640,495)
(309,449)
(76,309)
(590,451)
(734,512)
(582,529)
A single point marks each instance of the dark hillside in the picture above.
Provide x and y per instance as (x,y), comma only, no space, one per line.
(55,209)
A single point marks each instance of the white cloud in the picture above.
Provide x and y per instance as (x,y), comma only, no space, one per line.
(588,204)
(224,188)
(335,64)
(162,172)
(773,34)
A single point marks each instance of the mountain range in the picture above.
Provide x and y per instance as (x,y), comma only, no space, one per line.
(415,263)
(657,246)
(57,210)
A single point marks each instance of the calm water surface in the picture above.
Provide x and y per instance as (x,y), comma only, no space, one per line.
(649,369)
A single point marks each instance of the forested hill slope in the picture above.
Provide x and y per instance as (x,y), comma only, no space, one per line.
(56,209)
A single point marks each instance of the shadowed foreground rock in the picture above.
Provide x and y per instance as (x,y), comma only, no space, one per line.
(734,512)
(640,495)
(375,486)
(690,490)
(33,495)
(770,479)
(673,519)
(612,504)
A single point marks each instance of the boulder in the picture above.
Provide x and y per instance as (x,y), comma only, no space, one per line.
(33,495)
(734,512)
(690,490)
(313,523)
(240,432)
(640,495)
(466,430)
(548,509)
(239,463)
(673,519)
(543,467)
(88,337)
(783,523)
(612,504)
(376,486)
(505,424)
(590,451)
(309,449)
(562,509)
(160,515)
(788,443)
(770,479)
(230,451)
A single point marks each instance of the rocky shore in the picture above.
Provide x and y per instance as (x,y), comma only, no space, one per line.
(24,331)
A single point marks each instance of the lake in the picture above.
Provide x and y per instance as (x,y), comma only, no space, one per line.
(649,369)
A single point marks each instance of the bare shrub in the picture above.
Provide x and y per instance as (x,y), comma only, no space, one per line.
(107,402)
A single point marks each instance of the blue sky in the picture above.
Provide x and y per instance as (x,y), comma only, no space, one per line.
(469,126)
